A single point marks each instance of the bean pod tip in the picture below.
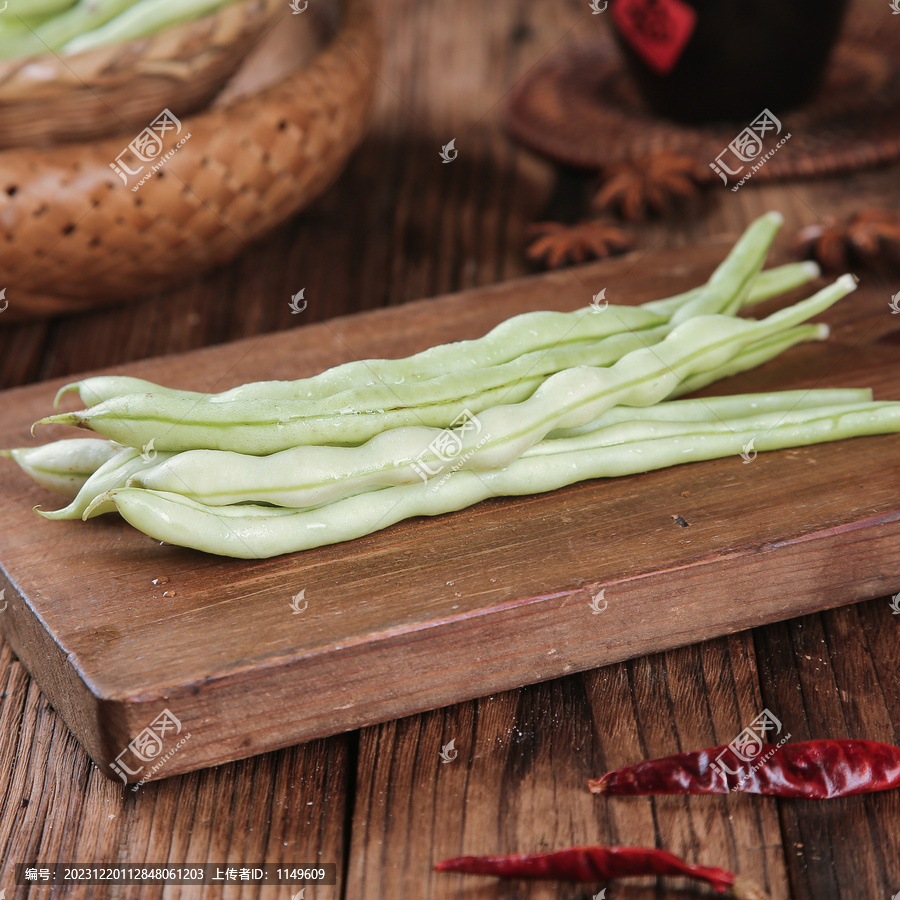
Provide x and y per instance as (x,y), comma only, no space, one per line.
(55,515)
(105,497)
(61,419)
(812,268)
(69,388)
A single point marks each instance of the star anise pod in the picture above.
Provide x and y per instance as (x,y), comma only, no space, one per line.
(649,184)
(557,244)
(867,238)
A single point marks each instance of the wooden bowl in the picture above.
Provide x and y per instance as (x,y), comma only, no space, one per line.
(74,233)
(51,99)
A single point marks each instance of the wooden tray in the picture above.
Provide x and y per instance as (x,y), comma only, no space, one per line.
(117,629)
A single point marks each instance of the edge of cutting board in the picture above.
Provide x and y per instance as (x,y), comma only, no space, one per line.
(540,635)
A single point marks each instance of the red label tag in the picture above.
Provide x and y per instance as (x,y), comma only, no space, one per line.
(657,30)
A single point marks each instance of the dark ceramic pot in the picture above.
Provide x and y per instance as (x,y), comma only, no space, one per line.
(726,60)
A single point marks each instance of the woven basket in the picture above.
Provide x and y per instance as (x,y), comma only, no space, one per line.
(50,99)
(72,235)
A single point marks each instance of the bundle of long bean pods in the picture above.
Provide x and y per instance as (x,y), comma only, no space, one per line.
(31,27)
(528,345)
(255,531)
(305,477)
(546,399)
(568,398)
(64,466)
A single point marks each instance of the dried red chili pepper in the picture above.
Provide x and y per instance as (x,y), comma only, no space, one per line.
(815,770)
(600,863)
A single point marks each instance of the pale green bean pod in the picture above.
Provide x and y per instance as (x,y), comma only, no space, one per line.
(427,402)
(13,27)
(63,466)
(566,399)
(142,19)
(768,284)
(33,9)
(311,476)
(50,35)
(530,369)
(115,472)
(511,339)
(255,532)
(729,285)
(754,355)
(733,408)
(508,341)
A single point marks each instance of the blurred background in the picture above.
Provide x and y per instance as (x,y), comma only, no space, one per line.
(321,170)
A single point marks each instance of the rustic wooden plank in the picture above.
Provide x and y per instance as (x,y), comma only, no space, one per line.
(56,805)
(788,528)
(518,782)
(819,674)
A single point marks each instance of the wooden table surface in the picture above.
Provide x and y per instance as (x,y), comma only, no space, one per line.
(398,226)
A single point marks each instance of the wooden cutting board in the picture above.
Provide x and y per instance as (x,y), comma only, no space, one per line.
(118,629)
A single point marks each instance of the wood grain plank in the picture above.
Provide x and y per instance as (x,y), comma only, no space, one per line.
(57,806)
(108,683)
(518,783)
(821,678)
